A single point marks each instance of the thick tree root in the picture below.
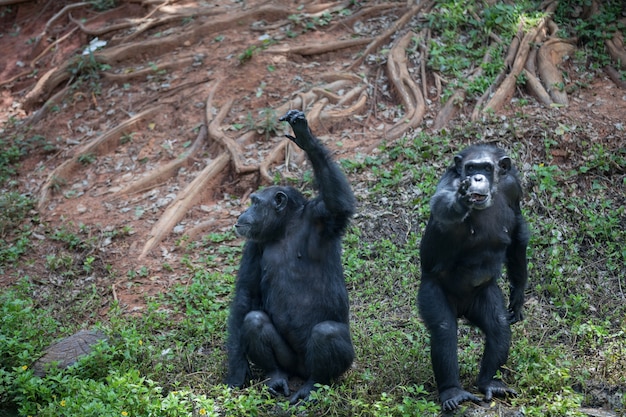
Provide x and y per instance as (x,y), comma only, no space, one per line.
(132,75)
(166,171)
(504,93)
(615,76)
(364,14)
(409,92)
(318,48)
(550,54)
(216,133)
(184,201)
(398,24)
(536,89)
(615,46)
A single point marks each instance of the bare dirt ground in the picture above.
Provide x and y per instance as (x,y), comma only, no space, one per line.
(125,127)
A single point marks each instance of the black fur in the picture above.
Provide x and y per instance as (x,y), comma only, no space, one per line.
(476,226)
(290,311)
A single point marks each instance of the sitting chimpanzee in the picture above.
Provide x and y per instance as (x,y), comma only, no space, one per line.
(476,226)
(289,316)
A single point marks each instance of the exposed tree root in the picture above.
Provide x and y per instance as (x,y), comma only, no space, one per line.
(453,105)
(272,158)
(536,89)
(47,83)
(315,10)
(615,76)
(550,54)
(131,75)
(99,146)
(184,201)
(52,45)
(398,24)
(423,47)
(162,173)
(216,133)
(409,92)
(43,110)
(504,93)
(358,106)
(365,13)
(198,229)
(122,52)
(59,14)
(101,30)
(318,48)
(615,46)
(11,2)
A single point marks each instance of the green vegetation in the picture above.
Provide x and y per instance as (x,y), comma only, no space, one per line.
(169,360)
(266,124)
(463,33)
(86,72)
(592,31)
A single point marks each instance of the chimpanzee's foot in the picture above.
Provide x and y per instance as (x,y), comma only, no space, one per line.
(497,388)
(453,397)
(303,393)
(278,382)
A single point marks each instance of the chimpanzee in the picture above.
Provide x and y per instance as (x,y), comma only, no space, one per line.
(289,316)
(476,226)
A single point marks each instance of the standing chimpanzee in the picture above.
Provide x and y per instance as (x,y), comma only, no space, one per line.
(476,225)
(289,316)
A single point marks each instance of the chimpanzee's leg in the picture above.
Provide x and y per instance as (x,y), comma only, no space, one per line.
(266,348)
(491,316)
(329,354)
(441,321)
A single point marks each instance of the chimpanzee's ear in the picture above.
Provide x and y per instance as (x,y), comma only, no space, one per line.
(504,164)
(280,201)
(458,163)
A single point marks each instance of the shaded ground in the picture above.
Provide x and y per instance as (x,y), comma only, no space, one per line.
(234,73)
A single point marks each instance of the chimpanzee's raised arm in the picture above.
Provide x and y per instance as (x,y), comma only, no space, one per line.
(334,188)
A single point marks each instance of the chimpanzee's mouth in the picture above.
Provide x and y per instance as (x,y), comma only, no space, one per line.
(478,198)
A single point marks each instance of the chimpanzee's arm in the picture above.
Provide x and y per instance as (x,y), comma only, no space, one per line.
(334,188)
(449,205)
(247,298)
(517,268)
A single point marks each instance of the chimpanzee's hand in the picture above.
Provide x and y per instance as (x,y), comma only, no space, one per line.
(237,377)
(463,196)
(516,302)
(300,126)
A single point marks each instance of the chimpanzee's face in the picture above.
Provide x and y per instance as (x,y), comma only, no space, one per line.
(479,174)
(261,220)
